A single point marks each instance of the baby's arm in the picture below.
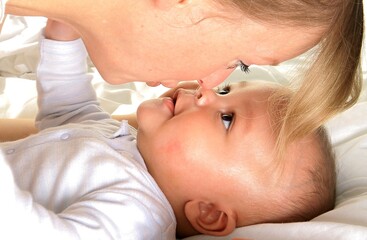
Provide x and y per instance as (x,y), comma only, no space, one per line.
(65,93)
(60,32)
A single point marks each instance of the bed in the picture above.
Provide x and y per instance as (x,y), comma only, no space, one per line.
(348,131)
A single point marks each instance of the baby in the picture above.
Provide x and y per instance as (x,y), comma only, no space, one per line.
(212,154)
(201,162)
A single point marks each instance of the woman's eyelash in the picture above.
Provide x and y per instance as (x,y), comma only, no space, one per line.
(244,68)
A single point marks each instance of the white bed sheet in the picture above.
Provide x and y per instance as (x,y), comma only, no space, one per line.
(348,130)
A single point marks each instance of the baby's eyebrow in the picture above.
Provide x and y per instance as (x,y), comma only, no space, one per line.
(236,85)
(240,128)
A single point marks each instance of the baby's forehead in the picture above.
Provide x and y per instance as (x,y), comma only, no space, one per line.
(275,95)
(263,90)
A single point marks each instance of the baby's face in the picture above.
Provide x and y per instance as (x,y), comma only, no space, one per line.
(219,147)
(203,138)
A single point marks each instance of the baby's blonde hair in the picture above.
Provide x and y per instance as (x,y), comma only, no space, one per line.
(312,191)
(333,81)
(319,196)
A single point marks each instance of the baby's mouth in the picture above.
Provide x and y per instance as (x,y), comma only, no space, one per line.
(175,96)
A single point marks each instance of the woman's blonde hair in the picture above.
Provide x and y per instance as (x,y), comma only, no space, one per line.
(333,82)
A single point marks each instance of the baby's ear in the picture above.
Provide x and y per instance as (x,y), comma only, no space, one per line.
(208,219)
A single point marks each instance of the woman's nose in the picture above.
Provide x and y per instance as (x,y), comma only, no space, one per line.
(205,97)
(215,78)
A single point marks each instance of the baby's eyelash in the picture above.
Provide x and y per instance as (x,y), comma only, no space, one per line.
(223,89)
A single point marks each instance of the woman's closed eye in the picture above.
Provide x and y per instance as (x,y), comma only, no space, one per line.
(244,68)
(227,119)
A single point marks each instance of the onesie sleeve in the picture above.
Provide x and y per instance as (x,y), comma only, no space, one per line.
(65,93)
(20,216)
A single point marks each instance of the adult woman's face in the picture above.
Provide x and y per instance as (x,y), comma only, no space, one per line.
(191,40)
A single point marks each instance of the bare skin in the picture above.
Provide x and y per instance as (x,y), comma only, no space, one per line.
(14,129)
(1,25)
(171,37)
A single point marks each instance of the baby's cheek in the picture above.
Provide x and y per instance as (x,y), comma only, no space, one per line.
(176,144)
(172,148)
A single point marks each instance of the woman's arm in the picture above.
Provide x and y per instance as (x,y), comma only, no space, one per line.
(14,129)
(42,8)
(2,23)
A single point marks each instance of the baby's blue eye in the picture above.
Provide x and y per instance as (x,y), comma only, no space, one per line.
(227,119)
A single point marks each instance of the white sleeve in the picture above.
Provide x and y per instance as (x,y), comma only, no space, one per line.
(21,217)
(108,213)
(65,93)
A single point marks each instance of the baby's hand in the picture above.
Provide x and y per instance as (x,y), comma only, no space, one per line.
(59,31)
